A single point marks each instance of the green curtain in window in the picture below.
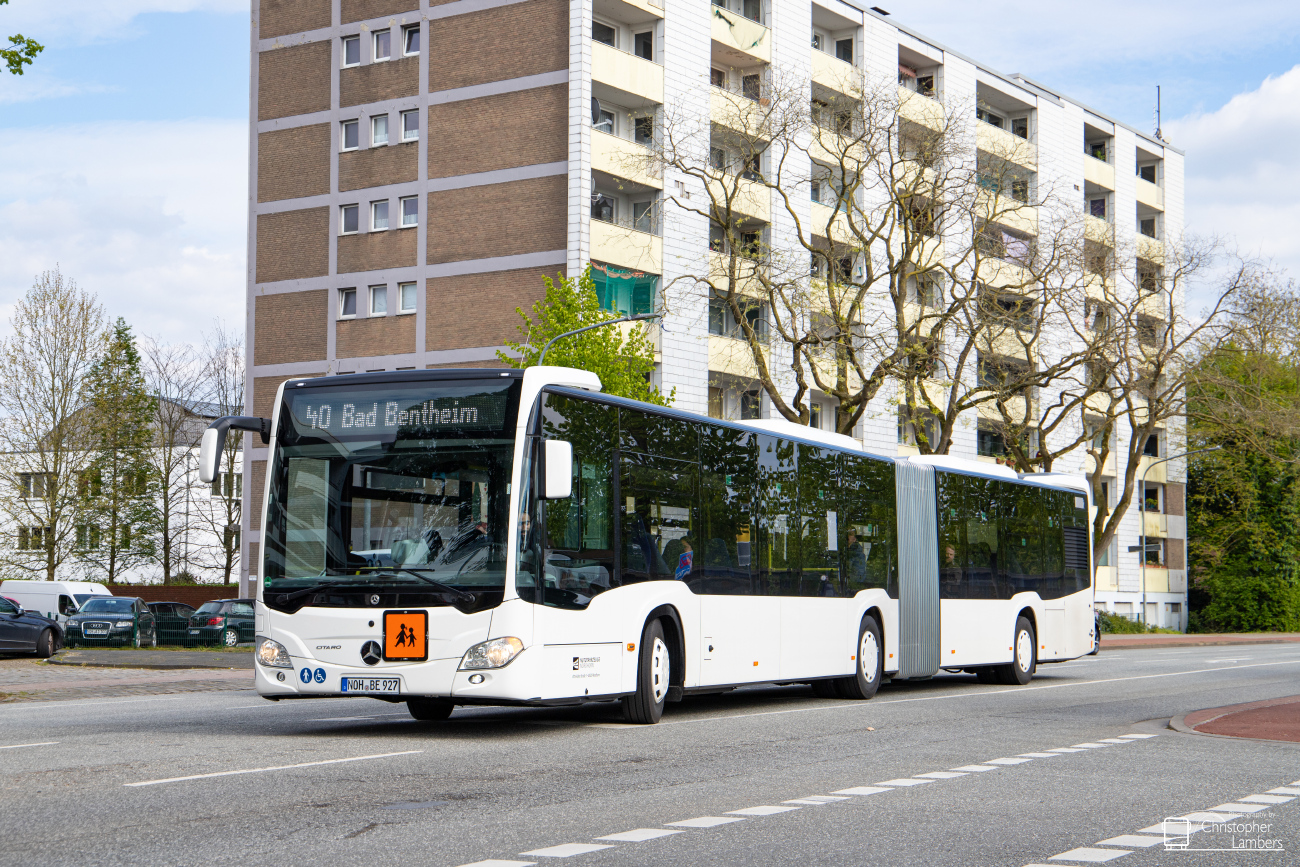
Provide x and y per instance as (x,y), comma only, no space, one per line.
(630,293)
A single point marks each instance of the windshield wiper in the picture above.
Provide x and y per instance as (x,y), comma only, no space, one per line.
(297,594)
(459,595)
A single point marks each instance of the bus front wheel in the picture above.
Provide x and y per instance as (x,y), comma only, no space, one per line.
(1021,668)
(654,673)
(865,681)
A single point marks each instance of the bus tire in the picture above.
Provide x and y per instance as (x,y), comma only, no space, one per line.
(870,663)
(825,689)
(653,676)
(430,709)
(1020,670)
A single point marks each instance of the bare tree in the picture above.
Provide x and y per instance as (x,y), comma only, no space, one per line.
(175,377)
(57,333)
(223,385)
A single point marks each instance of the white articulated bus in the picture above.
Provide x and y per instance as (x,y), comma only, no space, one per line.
(461,537)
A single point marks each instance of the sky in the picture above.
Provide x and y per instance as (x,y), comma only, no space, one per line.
(123,150)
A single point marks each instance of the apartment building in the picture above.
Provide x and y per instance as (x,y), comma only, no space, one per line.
(416,166)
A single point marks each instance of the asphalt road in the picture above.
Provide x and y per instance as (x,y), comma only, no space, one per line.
(93,782)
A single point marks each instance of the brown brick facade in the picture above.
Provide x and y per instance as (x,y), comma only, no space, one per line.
(282,17)
(499,44)
(525,216)
(486,365)
(373,167)
(479,309)
(1176,553)
(189,594)
(1175,497)
(391,79)
(257,487)
(292,163)
(293,244)
(364,10)
(294,80)
(523,128)
(255,556)
(378,335)
(291,327)
(264,388)
(372,251)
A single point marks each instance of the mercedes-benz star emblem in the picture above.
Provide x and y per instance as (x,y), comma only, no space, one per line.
(374,599)
(371,653)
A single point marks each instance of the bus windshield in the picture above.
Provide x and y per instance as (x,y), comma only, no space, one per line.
(392,484)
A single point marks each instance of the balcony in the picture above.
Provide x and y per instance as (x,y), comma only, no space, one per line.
(920,109)
(1098,172)
(731,356)
(747,280)
(1164,526)
(1150,195)
(625,159)
(999,143)
(736,112)
(835,74)
(1150,249)
(750,198)
(1099,230)
(635,76)
(822,217)
(1007,212)
(740,41)
(627,248)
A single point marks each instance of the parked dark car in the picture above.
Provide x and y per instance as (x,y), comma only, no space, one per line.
(27,632)
(223,621)
(113,620)
(172,620)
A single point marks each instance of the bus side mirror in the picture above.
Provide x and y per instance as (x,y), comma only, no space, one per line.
(557,470)
(214,441)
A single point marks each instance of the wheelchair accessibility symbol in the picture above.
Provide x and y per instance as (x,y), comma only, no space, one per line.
(320,675)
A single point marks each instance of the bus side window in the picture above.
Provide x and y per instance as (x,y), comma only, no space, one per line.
(728,465)
(952,543)
(1022,530)
(818,524)
(1053,584)
(982,579)
(867,519)
(776,519)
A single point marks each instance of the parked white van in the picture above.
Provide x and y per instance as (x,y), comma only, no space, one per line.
(55,599)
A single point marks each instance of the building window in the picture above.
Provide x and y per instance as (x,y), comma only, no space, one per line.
(1155,552)
(406,297)
(32,485)
(751,86)
(1151,498)
(1151,448)
(228,485)
(989,442)
(815,416)
(606,122)
(379,130)
(347,303)
(644,132)
(1147,173)
(844,50)
(1147,226)
(717,78)
(378,216)
(411,39)
(1097,208)
(751,405)
(350,135)
(348,216)
(383,45)
(643,45)
(410,125)
(410,211)
(378,300)
(351,50)
(604,34)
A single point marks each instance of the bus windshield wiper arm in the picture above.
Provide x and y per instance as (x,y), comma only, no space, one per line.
(297,594)
(459,595)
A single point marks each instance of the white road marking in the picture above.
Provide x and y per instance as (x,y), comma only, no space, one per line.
(806,802)
(500,862)
(1007,761)
(904,781)
(1284,790)
(639,835)
(944,775)
(823,799)
(1194,828)
(864,790)
(976,768)
(1133,841)
(567,850)
(703,822)
(1091,746)
(1038,755)
(1091,856)
(1139,737)
(59,705)
(1067,750)
(1115,741)
(274,768)
(1212,818)
(1235,807)
(1265,799)
(20,746)
(1229,659)
(760,811)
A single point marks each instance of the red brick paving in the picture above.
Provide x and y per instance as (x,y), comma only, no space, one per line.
(1274,719)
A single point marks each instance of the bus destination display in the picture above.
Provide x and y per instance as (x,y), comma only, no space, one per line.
(352,413)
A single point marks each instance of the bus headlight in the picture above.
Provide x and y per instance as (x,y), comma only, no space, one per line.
(272,654)
(496,653)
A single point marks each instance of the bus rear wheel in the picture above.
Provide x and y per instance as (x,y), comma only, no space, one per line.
(429,709)
(1022,666)
(866,680)
(654,674)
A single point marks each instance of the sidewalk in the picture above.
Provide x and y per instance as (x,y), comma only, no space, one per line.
(28,679)
(1274,719)
(156,659)
(1120,642)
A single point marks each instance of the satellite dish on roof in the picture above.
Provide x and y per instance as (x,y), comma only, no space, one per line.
(595,111)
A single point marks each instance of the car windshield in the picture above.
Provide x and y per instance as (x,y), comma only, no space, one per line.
(393,484)
(108,605)
(82,597)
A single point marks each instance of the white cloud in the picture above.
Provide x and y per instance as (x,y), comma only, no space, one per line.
(82,21)
(150,216)
(1243,180)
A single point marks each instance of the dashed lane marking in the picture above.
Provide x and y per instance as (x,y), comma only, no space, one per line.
(760,811)
(975,768)
(1115,741)
(1090,746)
(1038,755)
(1132,841)
(567,850)
(639,835)
(1007,761)
(704,822)
(21,746)
(904,781)
(1067,750)
(1139,736)
(1240,808)
(943,775)
(864,790)
(1266,799)
(1091,856)
(501,862)
(1284,790)
(273,768)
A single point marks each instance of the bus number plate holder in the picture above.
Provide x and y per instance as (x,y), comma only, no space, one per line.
(372,685)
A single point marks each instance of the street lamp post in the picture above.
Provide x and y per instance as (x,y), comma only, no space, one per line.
(541,359)
(1142,562)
